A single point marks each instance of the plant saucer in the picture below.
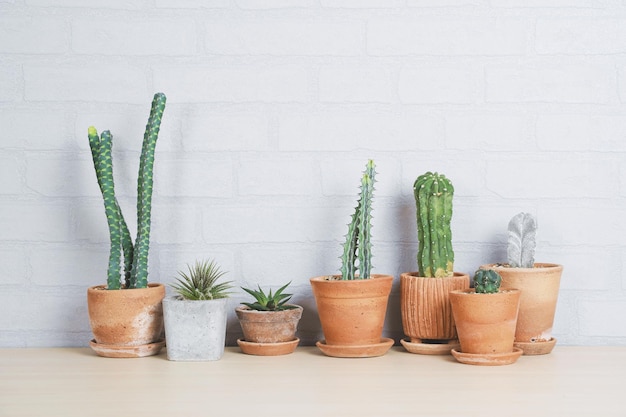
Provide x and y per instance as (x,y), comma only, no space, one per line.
(116,351)
(488,359)
(430,348)
(356,351)
(268,349)
(536,348)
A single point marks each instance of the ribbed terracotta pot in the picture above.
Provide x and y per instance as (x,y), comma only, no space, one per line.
(540,291)
(486,325)
(352,313)
(126,323)
(268,326)
(425,306)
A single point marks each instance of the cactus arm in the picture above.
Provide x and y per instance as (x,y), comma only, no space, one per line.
(139,271)
(348,257)
(421,188)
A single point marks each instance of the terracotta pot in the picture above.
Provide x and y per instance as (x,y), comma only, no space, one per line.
(268,326)
(352,313)
(540,291)
(126,323)
(425,306)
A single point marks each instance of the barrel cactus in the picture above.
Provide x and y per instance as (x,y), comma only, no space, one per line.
(487,281)
(433,198)
(356,259)
(135,255)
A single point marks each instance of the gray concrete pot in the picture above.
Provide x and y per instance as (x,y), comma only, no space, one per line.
(194,330)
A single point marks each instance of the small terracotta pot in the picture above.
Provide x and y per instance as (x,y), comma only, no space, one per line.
(352,313)
(540,291)
(268,326)
(425,306)
(126,318)
(485,322)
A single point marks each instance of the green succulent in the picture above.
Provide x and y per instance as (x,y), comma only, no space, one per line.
(201,282)
(271,301)
(487,281)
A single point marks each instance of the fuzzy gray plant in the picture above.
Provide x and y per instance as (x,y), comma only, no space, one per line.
(521,244)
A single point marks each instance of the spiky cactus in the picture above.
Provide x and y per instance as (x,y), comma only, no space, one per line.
(433,198)
(358,246)
(135,256)
(487,281)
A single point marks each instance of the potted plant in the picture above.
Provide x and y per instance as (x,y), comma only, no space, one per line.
(352,305)
(126,314)
(195,319)
(427,317)
(539,283)
(485,318)
(269,324)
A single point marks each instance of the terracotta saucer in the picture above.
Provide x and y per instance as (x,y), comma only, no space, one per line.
(486,359)
(115,351)
(536,348)
(430,348)
(358,351)
(268,349)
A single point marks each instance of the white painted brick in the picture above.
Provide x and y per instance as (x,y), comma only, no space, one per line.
(11,84)
(578,272)
(275,4)
(84,268)
(360,85)
(90,224)
(36,130)
(581,132)
(225,132)
(581,36)
(29,221)
(367,4)
(14,267)
(161,37)
(33,35)
(493,131)
(284,37)
(65,312)
(93,83)
(233,84)
(178,224)
(198,177)
(11,175)
(192,4)
(556,4)
(349,131)
(447,36)
(105,4)
(445,3)
(582,226)
(430,84)
(271,176)
(14,301)
(552,83)
(342,176)
(61,176)
(260,223)
(524,178)
(594,317)
(622,83)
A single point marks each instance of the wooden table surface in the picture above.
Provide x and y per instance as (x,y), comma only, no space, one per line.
(571,381)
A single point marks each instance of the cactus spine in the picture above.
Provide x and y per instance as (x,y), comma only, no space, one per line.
(433,197)
(487,281)
(358,246)
(135,256)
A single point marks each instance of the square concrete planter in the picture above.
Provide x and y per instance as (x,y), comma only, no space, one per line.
(194,330)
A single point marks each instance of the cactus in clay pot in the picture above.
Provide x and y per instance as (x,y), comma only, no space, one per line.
(487,281)
(433,196)
(135,255)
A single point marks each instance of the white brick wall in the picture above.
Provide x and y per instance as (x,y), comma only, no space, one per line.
(273,108)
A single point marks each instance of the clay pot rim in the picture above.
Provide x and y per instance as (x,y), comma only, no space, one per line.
(538,266)
(415,274)
(180,299)
(322,278)
(249,310)
(472,291)
(100,287)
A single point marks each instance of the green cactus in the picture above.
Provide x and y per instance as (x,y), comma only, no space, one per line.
(358,246)
(487,281)
(433,197)
(135,256)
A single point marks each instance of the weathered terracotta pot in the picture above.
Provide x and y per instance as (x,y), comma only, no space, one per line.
(268,326)
(540,291)
(352,313)
(425,307)
(486,326)
(126,323)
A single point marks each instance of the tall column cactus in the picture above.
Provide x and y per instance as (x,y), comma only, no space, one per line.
(433,197)
(135,256)
(358,246)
